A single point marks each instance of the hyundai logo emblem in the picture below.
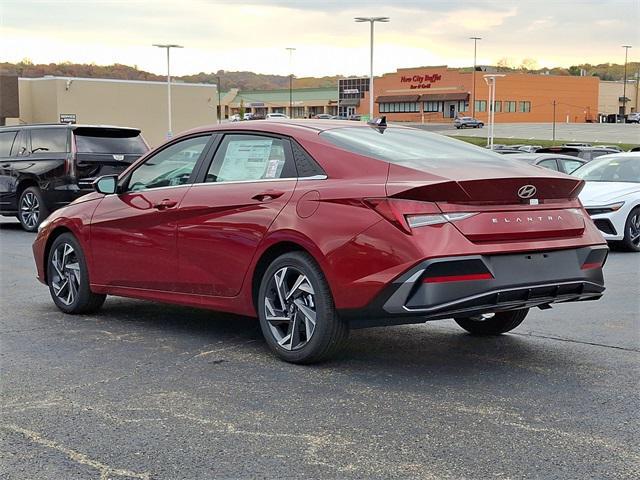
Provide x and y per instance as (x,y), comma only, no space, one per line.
(526,191)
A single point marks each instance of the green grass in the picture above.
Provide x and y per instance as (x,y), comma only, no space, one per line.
(523,141)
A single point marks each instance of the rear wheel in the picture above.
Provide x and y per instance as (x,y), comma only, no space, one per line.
(69,279)
(631,239)
(297,315)
(31,209)
(493,324)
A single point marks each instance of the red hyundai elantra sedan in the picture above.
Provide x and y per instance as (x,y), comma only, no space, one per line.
(317,227)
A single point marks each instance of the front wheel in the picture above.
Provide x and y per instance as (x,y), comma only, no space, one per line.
(68,277)
(493,324)
(297,315)
(631,239)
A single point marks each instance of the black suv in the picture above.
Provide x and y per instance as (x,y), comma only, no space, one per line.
(45,167)
(585,152)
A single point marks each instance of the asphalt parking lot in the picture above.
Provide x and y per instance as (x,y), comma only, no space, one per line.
(149,391)
(568,132)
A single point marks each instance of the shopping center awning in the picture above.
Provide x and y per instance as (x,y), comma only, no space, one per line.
(438,97)
(397,98)
(350,102)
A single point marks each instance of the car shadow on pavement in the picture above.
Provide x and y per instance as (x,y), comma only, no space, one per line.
(422,350)
(13,226)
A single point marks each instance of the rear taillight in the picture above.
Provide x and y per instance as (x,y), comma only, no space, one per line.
(409,214)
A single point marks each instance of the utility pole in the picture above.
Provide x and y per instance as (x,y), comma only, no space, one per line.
(291,50)
(371,21)
(624,85)
(491,82)
(168,47)
(473,76)
(219,105)
(554,122)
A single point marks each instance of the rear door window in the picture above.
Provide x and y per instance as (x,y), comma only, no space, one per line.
(6,142)
(49,140)
(250,158)
(109,142)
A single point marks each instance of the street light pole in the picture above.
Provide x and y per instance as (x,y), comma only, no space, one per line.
(168,47)
(473,79)
(491,82)
(219,105)
(624,85)
(371,21)
(291,50)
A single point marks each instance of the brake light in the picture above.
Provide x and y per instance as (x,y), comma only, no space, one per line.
(459,278)
(408,214)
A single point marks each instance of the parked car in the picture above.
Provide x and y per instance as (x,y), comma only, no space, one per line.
(322,116)
(633,117)
(277,116)
(529,148)
(235,117)
(611,147)
(560,163)
(506,150)
(44,167)
(248,116)
(611,196)
(585,152)
(339,117)
(467,122)
(634,149)
(576,144)
(355,118)
(263,219)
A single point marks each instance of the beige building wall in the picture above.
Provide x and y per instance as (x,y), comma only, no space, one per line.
(125,103)
(610,93)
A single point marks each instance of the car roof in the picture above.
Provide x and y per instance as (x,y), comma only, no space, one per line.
(541,156)
(619,155)
(287,126)
(72,126)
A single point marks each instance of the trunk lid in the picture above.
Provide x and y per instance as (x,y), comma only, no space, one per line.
(502,210)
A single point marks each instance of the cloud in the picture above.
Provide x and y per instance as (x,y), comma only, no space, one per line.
(252,35)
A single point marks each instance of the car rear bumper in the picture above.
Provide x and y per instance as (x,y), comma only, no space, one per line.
(471,285)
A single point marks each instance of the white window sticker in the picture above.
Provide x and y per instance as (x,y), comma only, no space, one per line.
(245,160)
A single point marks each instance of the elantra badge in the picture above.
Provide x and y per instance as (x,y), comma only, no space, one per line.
(118,157)
(526,191)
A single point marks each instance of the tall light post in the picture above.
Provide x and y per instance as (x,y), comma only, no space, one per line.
(219,106)
(473,76)
(371,21)
(624,84)
(491,82)
(291,50)
(168,47)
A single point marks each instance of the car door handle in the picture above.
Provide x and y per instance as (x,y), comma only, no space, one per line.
(164,204)
(267,195)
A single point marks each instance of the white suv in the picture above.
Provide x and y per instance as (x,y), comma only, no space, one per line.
(276,116)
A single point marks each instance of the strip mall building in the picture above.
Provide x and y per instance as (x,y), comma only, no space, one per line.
(438,94)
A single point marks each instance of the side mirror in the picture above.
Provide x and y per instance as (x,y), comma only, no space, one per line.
(107,184)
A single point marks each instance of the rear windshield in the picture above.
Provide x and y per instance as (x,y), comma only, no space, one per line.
(109,141)
(405,146)
(611,169)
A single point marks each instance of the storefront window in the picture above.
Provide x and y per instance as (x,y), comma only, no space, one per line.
(432,106)
(481,105)
(463,106)
(509,106)
(497,106)
(525,107)
(399,107)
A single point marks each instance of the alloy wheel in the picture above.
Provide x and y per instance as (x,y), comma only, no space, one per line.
(65,274)
(290,308)
(30,209)
(634,229)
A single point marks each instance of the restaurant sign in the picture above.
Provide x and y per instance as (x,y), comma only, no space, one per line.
(421,81)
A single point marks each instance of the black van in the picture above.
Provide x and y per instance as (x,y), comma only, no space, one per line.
(45,167)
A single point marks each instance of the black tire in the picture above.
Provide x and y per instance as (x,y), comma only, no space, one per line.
(501,322)
(31,209)
(480,125)
(631,241)
(74,273)
(329,332)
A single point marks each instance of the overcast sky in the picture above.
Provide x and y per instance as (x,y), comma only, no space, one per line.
(252,35)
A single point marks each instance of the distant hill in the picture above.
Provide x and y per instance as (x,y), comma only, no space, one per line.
(259,81)
(241,80)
